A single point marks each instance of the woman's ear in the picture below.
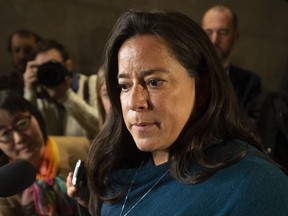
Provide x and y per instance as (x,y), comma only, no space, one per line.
(69,64)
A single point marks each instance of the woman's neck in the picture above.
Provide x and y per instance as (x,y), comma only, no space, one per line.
(37,159)
(160,157)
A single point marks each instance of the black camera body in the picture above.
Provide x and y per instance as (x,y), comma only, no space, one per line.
(51,73)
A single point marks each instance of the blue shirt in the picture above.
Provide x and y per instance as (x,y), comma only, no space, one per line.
(253,186)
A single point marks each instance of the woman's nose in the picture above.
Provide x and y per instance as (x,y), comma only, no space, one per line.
(17,136)
(138,100)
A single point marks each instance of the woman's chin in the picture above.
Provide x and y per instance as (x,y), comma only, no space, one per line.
(145,146)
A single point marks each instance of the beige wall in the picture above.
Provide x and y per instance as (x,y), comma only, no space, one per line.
(83,26)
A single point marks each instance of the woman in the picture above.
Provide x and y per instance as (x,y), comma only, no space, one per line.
(175,142)
(23,136)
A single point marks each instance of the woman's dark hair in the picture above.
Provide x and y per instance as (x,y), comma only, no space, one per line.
(216,119)
(13,102)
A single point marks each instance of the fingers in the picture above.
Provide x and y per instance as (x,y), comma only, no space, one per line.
(30,75)
(82,195)
(27,196)
(71,189)
(58,91)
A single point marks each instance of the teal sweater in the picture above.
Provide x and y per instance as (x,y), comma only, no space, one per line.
(253,186)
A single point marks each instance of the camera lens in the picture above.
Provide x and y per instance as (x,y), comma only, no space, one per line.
(52,73)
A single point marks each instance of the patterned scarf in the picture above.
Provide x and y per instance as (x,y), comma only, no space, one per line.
(49,190)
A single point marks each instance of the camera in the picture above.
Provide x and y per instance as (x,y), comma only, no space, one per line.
(79,174)
(51,73)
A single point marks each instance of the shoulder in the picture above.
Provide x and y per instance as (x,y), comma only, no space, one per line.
(259,186)
(261,179)
(257,166)
(84,77)
(92,83)
(79,79)
(81,75)
(88,85)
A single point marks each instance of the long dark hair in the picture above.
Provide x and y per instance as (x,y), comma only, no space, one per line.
(215,121)
(13,102)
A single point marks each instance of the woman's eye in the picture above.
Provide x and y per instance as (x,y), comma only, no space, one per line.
(155,82)
(4,133)
(21,124)
(123,86)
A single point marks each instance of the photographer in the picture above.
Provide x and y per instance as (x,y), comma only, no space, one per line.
(66,100)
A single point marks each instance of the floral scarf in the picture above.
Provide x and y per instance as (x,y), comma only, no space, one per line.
(49,189)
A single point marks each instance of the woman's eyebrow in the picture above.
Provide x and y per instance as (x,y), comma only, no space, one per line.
(145,73)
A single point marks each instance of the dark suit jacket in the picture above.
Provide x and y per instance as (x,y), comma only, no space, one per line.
(247,85)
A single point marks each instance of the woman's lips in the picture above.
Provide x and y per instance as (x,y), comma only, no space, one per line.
(144,125)
(24,147)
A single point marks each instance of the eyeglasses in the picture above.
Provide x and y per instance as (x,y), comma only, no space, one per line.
(6,134)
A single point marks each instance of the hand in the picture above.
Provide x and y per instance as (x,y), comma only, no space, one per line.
(27,196)
(30,75)
(57,92)
(81,194)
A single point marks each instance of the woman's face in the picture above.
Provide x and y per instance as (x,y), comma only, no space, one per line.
(20,139)
(157,94)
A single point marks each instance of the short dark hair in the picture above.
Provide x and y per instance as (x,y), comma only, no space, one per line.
(234,17)
(11,101)
(25,33)
(48,44)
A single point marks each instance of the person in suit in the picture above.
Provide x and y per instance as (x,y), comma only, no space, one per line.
(221,25)
(23,137)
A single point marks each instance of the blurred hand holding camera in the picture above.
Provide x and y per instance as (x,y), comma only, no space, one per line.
(57,92)
(30,75)
(52,75)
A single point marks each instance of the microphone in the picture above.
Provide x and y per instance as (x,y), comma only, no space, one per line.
(16,177)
